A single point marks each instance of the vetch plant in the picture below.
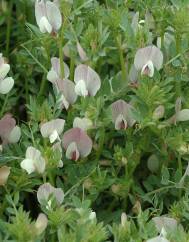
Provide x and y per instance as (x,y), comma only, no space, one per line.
(148,58)
(33,161)
(6,83)
(94,138)
(76,144)
(48,16)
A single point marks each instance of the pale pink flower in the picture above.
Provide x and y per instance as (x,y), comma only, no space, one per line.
(76,143)
(87,81)
(121,115)
(9,132)
(147,58)
(48,16)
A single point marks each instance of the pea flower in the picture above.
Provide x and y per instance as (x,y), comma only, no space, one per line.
(52,129)
(82,123)
(76,143)
(4,174)
(55,72)
(33,161)
(158,239)
(48,16)
(121,115)
(87,81)
(65,86)
(47,192)
(41,223)
(9,131)
(147,58)
(164,223)
(81,52)
(6,83)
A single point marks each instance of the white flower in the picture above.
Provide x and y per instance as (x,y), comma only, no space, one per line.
(41,223)
(34,161)
(48,16)
(52,129)
(87,81)
(6,83)
(82,123)
(148,58)
(81,89)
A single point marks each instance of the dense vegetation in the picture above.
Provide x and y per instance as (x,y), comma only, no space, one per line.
(94,120)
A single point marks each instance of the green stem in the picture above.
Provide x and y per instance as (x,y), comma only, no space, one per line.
(121,57)
(9,21)
(61,52)
(4,104)
(180,170)
(101,143)
(178,82)
(72,64)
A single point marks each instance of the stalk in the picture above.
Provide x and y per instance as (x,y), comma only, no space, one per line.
(121,57)
(9,22)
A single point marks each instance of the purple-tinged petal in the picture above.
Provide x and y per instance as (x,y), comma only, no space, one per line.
(146,54)
(56,67)
(54,15)
(133,74)
(67,87)
(89,76)
(7,123)
(120,107)
(82,140)
(54,125)
(45,190)
(40,10)
(165,222)
(81,52)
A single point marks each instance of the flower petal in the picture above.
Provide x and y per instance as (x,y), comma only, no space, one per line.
(67,87)
(14,135)
(28,165)
(32,153)
(164,222)
(40,10)
(148,69)
(54,125)
(81,89)
(55,62)
(82,140)
(72,152)
(54,15)
(40,165)
(7,123)
(81,52)
(158,239)
(4,69)
(120,122)
(123,108)
(6,85)
(44,192)
(4,174)
(89,76)
(41,223)
(44,25)
(82,123)
(152,53)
